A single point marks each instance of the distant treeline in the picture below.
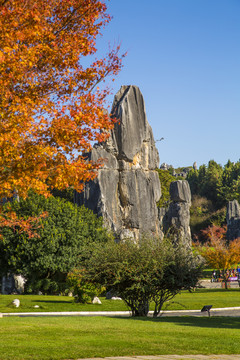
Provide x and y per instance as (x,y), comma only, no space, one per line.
(217,183)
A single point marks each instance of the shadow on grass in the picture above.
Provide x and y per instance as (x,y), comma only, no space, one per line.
(52,301)
(204,322)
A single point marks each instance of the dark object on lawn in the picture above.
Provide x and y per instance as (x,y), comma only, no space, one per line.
(207,308)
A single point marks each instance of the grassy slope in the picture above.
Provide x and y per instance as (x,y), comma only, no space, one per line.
(72,338)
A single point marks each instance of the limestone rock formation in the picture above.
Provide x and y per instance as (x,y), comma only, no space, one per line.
(180,192)
(12,283)
(176,218)
(127,187)
(233,220)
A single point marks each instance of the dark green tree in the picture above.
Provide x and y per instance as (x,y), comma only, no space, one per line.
(205,181)
(153,270)
(193,179)
(65,237)
(229,184)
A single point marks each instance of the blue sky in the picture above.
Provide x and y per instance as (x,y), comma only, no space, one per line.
(185,57)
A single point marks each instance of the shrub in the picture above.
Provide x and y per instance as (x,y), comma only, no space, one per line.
(83,289)
(153,270)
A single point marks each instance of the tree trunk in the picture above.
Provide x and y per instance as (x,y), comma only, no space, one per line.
(157,309)
(141,310)
(226,284)
(225,279)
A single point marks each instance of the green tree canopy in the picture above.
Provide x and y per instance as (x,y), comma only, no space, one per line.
(65,237)
(229,184)
(154,270)
(216,183)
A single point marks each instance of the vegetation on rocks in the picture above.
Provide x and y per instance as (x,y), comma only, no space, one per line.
(165,179)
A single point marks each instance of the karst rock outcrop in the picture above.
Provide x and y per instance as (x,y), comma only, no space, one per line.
(127,187)
(175,220)
(233,220)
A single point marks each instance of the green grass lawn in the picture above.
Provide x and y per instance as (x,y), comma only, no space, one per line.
(79,337)
(185,300)
(55,303)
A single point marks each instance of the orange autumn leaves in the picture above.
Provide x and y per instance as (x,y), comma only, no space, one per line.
(51,109)
(27,225)
(218,252)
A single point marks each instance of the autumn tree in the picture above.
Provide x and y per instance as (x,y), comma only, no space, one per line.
(51,109)
(218,253)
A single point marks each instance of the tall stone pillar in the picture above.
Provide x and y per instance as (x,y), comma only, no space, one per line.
(127,188)
(233,220)
(176,220)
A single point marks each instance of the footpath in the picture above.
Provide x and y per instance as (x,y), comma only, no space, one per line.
(171,357)
(234,312)
(218,285)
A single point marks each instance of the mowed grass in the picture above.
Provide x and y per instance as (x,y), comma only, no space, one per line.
(218,298)
(55,303)
(186,300)
(79,337)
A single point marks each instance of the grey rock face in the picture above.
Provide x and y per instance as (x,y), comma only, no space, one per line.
(13,284)
(165,166)
(180,191)
(177,218)
(127,187)
(132,137)
(233,210)
(233,220)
